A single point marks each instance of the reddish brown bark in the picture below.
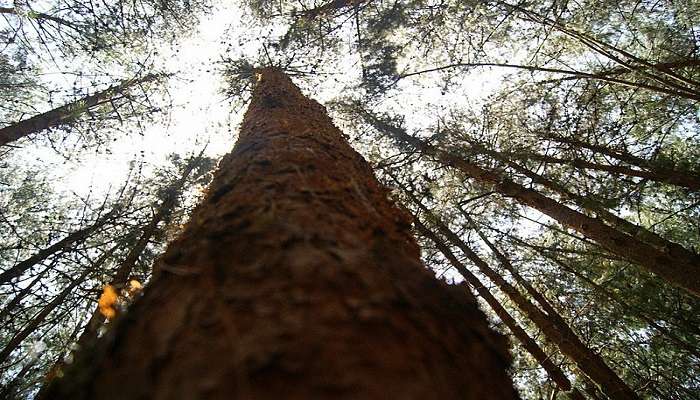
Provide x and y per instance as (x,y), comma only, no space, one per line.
(682,272)
(67,113)
(295,278)
(529,344)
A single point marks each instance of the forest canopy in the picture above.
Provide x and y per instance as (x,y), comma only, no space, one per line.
(547,155)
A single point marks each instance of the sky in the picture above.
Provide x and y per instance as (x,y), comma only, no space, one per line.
(201,116)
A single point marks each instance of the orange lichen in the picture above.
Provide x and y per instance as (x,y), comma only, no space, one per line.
(134,287)
(107,302)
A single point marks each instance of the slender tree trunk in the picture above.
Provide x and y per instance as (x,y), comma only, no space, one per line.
(553,371)
(688,179)
(41,16)
(295,278)
(551,323)
(672,177)
(10,389)
(684,86)
(12,304)
(67,113)
(681,272)
(641,314)
(674,250)
(80,235)
(126,267)
(38,319)
(626,306)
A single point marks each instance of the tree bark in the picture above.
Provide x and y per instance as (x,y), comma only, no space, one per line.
(684,273)
(552,324)
(67,113)
(553,371)
(295,278)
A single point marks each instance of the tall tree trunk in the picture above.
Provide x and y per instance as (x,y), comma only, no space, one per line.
(78,236)
(591,204)
(67,113)
(673,177)
(689,179)
(553,371)
(551,323)
(295,278)
(625,306)
(682,272)
(39,318)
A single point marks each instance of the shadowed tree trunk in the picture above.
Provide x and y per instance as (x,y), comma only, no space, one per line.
(126,266)
(551,323)
(78,236)
(295,278)
(591,204)
(553,371)
(67,113)
(39,318)
(663,173)
(680,271)
(673,177)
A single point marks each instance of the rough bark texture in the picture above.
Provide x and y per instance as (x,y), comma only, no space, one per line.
(553,371)
(681,272)
(552,325)
(295,278)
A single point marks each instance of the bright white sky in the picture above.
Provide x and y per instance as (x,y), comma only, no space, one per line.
(200,114)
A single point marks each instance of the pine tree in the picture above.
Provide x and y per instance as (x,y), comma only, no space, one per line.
(295,278)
